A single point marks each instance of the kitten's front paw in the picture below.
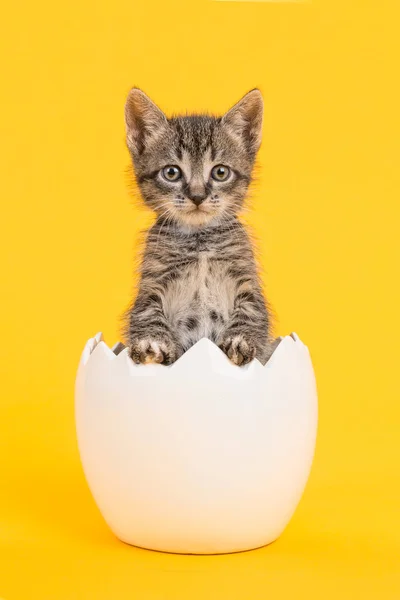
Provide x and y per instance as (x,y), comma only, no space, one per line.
(149,350)
(240,350)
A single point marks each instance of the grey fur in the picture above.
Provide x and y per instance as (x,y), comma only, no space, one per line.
(199,276)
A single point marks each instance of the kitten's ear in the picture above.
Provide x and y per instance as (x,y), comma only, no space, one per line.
(245,119)
(143,120)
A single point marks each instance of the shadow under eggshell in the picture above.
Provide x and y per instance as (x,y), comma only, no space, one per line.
(199,457)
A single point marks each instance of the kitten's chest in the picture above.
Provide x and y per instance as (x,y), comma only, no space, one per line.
(202,290)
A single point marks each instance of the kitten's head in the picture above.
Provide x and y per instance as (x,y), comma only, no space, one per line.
(194,170)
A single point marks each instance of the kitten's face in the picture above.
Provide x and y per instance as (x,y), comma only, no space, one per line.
(194,170)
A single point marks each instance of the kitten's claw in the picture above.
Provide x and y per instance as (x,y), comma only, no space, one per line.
(148,350)
(239,350)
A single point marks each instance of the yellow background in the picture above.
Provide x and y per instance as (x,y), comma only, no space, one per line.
(326,211)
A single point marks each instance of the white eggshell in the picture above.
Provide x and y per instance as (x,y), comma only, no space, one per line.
(199,457)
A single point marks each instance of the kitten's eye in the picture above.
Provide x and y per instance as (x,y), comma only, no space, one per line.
(171,173)
(220,173)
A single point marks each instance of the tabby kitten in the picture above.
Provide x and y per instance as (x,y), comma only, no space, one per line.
(199,277)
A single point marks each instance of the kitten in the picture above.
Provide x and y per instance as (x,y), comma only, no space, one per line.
(199,276)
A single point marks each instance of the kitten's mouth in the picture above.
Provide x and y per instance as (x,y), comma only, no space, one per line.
(200,214)
(196,216)
(201,208)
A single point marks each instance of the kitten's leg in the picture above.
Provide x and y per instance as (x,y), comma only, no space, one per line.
(247,333)
(118,347)
(151,339)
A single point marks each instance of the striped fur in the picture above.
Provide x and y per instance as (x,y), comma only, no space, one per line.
(199,276)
